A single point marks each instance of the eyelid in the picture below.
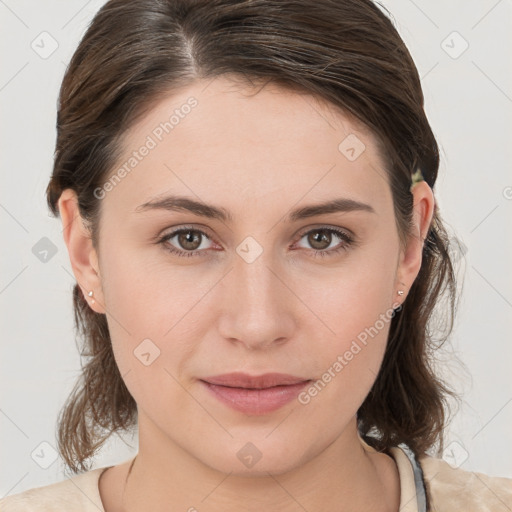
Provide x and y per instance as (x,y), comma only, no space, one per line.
(349,233)
(204,230)
(347,237)
(192,227)
(167,235)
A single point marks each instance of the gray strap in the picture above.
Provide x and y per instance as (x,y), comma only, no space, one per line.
(419,483)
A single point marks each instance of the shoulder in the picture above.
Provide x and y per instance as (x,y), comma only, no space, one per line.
(79,493)
(455,489)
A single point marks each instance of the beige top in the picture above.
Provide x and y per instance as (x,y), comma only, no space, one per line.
(448,490)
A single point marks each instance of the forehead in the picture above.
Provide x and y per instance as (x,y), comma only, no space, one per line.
(223,141)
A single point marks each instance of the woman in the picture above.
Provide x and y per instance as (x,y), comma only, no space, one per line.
(246,192)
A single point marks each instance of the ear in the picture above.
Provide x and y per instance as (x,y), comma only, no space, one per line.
(82,255)
(410,259)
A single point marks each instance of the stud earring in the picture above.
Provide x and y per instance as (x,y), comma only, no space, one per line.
(400,292)
(90,295)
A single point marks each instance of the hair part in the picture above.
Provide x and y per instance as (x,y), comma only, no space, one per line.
(346,53)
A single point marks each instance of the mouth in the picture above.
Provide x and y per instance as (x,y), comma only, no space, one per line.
(255,394)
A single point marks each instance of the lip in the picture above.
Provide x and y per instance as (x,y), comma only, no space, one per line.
(255,394)
(244,380)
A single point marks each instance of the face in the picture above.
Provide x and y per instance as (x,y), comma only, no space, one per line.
(258,282)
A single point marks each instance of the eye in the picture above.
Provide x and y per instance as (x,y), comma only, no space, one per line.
(321,238)
(190,239)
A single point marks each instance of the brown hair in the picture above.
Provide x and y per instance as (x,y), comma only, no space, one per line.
(345,52)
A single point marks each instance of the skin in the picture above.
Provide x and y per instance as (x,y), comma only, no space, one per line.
(258,155)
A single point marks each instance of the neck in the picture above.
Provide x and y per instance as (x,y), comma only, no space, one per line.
(344,476)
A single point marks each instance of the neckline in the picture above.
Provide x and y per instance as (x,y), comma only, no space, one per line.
(412,486)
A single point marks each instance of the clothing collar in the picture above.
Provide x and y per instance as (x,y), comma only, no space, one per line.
(413,495)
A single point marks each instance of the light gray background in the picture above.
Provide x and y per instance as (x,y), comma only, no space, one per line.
(469,104)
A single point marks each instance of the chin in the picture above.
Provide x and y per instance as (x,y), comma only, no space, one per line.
(259,457)
(273,465)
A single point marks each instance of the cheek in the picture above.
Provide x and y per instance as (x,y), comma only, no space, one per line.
(356,313)
(138,291)
(354,296)
(150,309)
(146,314)
(347,362)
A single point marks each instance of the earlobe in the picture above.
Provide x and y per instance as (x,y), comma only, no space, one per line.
(82,255)
(411,256)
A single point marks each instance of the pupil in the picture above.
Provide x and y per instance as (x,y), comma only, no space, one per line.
(188,238)
(317,238)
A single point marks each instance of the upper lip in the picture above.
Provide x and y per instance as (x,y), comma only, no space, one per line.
(244,380)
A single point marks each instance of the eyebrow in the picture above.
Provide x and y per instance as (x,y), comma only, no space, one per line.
(182,203)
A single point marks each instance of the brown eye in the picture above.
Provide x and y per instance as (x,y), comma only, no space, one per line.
(189,242)
(321,238)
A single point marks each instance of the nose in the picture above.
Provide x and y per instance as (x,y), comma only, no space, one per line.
(257,308)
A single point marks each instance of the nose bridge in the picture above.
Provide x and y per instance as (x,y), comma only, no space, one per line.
(255,281)
(255,312)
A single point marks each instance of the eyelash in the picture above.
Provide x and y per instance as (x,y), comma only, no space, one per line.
(348,241)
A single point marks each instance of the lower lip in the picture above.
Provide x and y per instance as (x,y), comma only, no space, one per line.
(256,401)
